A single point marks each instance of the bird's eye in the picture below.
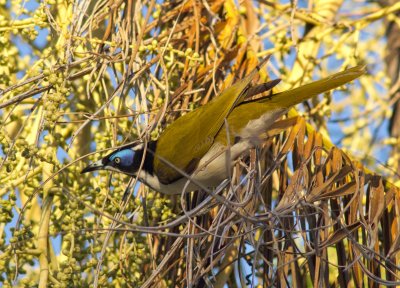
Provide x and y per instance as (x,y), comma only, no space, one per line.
(117,160)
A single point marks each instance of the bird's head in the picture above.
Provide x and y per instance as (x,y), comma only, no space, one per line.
(125,160)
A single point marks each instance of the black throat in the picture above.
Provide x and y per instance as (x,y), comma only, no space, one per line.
(148,164)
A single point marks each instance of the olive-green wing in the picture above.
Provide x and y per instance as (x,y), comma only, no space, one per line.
(188,139)
(252,110)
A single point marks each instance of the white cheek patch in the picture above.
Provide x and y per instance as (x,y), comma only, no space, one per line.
(138,147)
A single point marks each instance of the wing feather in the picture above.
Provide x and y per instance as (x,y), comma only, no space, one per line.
(192,135)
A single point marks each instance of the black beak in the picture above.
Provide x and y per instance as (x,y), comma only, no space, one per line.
(98,165)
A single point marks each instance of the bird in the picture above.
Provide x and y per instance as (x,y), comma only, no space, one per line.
(198,149)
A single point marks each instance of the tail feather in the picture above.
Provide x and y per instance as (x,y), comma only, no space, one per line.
(294,96)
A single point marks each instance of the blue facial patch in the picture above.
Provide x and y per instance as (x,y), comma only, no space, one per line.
(125,155)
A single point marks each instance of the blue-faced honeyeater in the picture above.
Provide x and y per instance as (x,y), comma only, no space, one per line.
(200,147)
